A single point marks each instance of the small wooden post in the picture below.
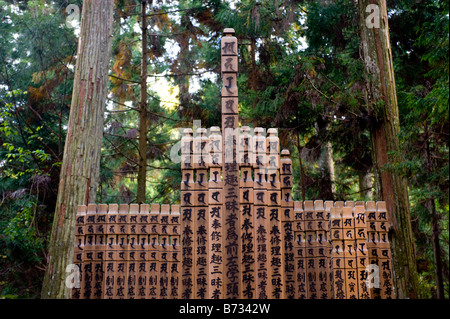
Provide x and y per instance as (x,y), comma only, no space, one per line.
(337,253)
(175,255)
(99,251)
(111,252)
(122,253)
(322,249)
(89,254)
(311,248)
(261,211)
(143,254)
(132,252)
(329,247)
(153,251)
(349,253)
(201,194)
(299,251)
(78,258)
(385,262)
(373,249)
(361,250)
(164,252)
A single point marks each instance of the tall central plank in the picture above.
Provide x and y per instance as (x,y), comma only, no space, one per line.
(230,168)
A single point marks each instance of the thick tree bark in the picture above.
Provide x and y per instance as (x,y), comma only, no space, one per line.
(143,117)
(382,100)
(81,162)
(302,171)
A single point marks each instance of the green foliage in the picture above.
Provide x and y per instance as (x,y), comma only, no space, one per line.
(36,56)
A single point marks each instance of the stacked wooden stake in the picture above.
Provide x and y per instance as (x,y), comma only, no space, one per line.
(79,251)
(201,218)
(111,251)
(300,250)
(215,212)
(276,261)
(373,251)
(349,247)
(322,250)
(361,250)
(263,283)
(142,230)
(287,218)
(247,217)
(384,252)
(187,221)
(337,252)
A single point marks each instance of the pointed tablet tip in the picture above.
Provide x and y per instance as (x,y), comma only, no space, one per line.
(228,31)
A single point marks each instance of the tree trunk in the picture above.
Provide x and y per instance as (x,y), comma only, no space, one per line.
(143,118)
(186,109)
(302,172)
(382,101)
(435,229)
(365,184)
(325,163)
(81,162)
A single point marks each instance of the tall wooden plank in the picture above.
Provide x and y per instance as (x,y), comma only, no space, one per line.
(201,217)
(230,169)
(287,225)
(261,211)
(276,252)
(247,220)
(216,222)
(187,213)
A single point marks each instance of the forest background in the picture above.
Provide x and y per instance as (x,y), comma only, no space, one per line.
(300,70)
